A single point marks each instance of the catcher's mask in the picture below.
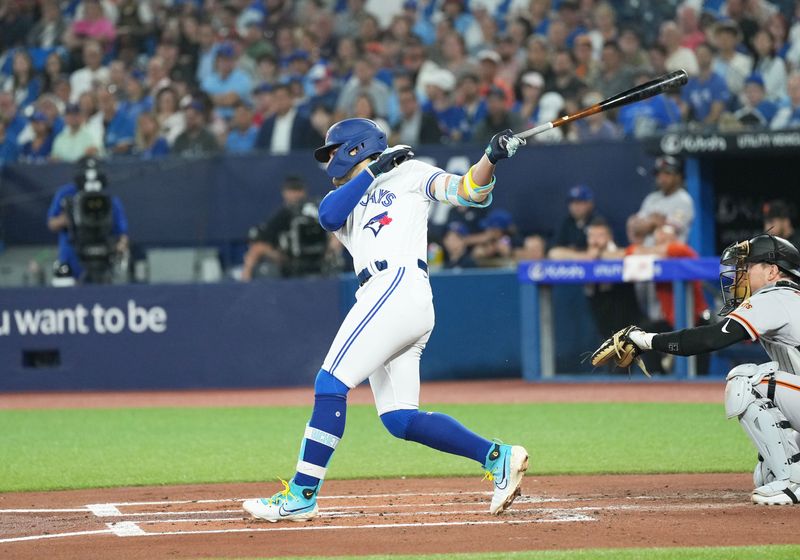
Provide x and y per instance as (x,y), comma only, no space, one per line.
(763,248)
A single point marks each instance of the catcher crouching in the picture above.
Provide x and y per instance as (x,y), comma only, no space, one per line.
(761,301)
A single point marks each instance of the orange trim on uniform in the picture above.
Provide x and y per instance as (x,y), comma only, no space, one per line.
(781,383)
(745,323)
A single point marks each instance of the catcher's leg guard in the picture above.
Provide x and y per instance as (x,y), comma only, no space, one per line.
(764,423)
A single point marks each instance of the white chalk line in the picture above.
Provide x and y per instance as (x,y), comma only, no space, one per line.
(56,535)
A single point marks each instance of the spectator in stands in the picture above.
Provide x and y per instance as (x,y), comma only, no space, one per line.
(570,237)
(678,56)
(285,129)
(778,218)
(564,81)
(613,305)
(171,120)
(630,44)
(454,55)
(605,29)
(489,65)
(136,100)
(262,103)
(118,128)
(325,91)
(569,11)
(497,241)
(756,110)
(510,68)
(362,81)
(226,84)
(76,140)
(149,143)
(614,76)
(92,74)
(291,242)
(92,26)
(597,127)
(729,63)
(439,87)
(788,116)
(657,59)
(415,127)
(48,31)
(536,107)
(769,66)
(9,151)
(365,109)
(53,73)
(157,77)
(705,96)
(243,133)
(22,83)
(135,24)
(670,203)
(498,117)
(37,150)
(668,246)
(16,20)
(650,116)
(467,96)
(586,67)
(321,120)
(689,24)
(14,119)
(457,251)
(196,140)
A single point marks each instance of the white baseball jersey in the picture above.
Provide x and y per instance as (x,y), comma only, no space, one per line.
(391,220)
(385,332)
(772,316)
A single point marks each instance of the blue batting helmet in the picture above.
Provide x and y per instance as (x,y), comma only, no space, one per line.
(357,139)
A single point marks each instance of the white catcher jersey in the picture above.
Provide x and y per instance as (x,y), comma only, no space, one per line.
(772,316)
(391,220)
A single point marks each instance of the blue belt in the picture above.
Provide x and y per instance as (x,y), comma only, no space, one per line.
(365,274)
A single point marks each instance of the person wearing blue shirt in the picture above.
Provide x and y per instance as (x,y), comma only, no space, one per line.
(118,128)
(9,151)
(37,150)
(149,143)
(227,84)
(88,178)
(649,116)
(243,134)
(756,110)
(704,97)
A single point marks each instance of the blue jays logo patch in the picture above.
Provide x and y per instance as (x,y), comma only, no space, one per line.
(376,223)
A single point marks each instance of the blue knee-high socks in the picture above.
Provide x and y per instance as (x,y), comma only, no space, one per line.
(324,429)
(438,431)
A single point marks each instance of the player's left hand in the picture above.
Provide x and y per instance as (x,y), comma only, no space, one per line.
(621,349)
(390,158)
(503,145)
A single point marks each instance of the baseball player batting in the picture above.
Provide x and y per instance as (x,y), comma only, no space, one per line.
(761,302)
(379,211)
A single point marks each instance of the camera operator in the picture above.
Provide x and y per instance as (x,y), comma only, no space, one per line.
(91,225)
(291,242)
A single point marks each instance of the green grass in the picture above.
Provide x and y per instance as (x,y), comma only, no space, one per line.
(59,449)
(776,552)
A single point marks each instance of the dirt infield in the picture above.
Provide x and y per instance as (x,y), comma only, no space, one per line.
(394,516)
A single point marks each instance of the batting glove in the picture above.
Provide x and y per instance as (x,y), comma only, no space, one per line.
(390,158)
(503,145)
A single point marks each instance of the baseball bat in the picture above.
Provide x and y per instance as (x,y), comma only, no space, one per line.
(653,87)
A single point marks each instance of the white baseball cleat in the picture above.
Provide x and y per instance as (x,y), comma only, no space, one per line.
(505,467)
(777,493)
(293,503)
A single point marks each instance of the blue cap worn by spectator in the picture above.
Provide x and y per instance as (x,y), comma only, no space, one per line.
(459,228)
(38,116)
(755,79)
(226,50)
(196,104)
(298,54)
(580,192)
(497,219)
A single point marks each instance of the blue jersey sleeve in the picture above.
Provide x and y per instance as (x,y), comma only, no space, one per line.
(337,204)
(57,204)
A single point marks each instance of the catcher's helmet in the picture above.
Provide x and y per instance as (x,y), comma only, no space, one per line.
(763,248)
(357,139)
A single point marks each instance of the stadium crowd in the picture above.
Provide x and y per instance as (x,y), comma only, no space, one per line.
(149,78)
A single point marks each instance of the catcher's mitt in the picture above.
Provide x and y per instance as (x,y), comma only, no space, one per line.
(620,350)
